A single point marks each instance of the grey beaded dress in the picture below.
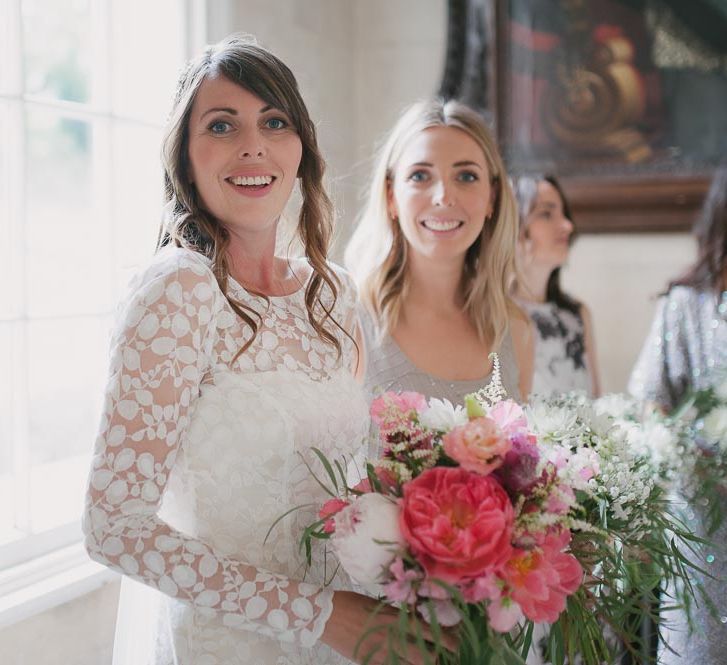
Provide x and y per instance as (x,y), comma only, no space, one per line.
(687,349)
(388,368)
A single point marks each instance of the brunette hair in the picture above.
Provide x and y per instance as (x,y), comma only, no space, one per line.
(377,254)
(710,229)
(190,225)
(526,193)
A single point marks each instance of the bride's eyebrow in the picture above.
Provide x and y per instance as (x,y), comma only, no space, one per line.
(467,163)
(219,109)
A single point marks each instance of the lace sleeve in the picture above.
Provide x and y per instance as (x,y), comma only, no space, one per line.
(161,350)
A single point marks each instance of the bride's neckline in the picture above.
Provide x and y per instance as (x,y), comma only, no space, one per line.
(298,282)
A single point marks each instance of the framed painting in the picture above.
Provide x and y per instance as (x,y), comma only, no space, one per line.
(624,100)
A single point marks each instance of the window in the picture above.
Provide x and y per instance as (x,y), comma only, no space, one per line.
(85,86)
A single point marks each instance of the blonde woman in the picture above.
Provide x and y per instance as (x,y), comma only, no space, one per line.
(433,256)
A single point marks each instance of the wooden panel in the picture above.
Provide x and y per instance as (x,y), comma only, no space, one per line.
(646,204)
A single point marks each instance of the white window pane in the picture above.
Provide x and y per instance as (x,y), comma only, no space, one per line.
(10,61)
(56,492)
(67,233)
(57,48)
(7,494)
(11,222)
(137,186)
(144,74)
(67,361)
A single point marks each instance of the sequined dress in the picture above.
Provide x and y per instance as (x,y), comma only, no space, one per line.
(687,349)
(200,452)
(560,353)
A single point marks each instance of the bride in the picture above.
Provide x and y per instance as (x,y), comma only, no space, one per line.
(228,364)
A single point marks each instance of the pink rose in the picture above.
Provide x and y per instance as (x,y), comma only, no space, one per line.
(457,524)
(478,446)
(541,579)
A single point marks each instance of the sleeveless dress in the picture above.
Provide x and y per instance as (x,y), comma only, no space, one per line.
(199,453)
(687,349)
(560,359)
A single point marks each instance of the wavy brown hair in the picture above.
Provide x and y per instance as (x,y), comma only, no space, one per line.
(377,252)
(190,225)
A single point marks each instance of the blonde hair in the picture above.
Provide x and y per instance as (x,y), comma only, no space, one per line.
(240,60)
(377,254)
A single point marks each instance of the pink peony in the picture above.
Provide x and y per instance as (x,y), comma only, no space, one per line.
(329,509)
(457,524)
(367,538)
(541,579)
(479,446)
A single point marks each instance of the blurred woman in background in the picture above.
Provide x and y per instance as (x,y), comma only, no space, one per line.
(565,354)
(687,350)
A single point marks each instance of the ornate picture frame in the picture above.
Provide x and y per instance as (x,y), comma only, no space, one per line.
(598,93)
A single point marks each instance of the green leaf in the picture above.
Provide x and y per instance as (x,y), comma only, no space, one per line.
(327,466)
(282,517)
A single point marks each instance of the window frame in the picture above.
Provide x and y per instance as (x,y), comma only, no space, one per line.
(35,566)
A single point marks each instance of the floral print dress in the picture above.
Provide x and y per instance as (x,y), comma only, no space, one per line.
(560,353)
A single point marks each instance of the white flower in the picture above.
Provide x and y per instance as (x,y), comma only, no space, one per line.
(599,422)
(655,440)
(553,422)
(370,518)
(715,425)
(616,405)
(443,416)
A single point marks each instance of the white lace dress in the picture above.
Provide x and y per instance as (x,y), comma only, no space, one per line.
(198,456)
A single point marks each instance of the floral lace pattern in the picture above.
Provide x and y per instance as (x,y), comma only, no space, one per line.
(197,456)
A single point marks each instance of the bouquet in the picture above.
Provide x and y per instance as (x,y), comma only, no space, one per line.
(487,518)
(703,419)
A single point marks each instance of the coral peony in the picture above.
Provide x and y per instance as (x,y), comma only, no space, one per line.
(541,579)
(367,537)
(458,524)
(478,446)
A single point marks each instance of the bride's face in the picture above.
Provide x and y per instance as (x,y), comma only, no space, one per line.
(244,155)
(441,193)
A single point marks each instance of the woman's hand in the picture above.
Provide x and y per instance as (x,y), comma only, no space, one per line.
(353,617)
